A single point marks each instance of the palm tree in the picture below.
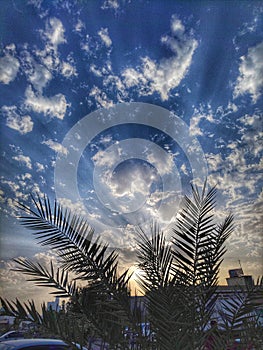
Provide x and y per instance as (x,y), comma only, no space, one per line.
(179,278)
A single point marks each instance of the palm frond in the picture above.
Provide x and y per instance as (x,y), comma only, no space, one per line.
(22,311)
(73,239)
(58,279)
(192,231)
(239,309)
(86,256)
(154,258)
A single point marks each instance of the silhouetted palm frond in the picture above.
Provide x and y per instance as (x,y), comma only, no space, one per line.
(192,231)
(73,239)
(58,279)
(22,311)
(238,313)
(89,259)
(198,247)
(179,279)
(154,259)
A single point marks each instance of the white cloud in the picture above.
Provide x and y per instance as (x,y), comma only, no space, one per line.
(201,113)
(54,106)
(107,159)
(48,57)
(39,167)
(110,4)
(24,160)
(76,207)
(40,77)
(164,165)
(67,70)
(101,98)
(167,74)
(23,124)
(131,181)
(14,186)
(250,79)
(104,35)
(9,67)
(252,134)
(79,26)
(214,161)
(55,32)
(96,71)
(56,146)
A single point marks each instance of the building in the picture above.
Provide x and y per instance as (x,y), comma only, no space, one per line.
(237,278)
(54,305)
(236,290)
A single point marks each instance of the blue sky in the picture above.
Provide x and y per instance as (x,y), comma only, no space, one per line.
(115,107)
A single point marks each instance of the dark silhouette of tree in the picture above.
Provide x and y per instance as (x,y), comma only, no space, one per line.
(179,279)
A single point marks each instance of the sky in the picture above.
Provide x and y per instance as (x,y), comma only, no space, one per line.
(115,107)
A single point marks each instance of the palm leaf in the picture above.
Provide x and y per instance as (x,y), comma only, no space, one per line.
(58,279)
(154,259)
(72,238)
(238,312)
(90,260)
(22,311)
(198,247)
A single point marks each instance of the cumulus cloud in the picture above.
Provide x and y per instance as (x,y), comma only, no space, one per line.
(24,160)
(53,36)
(107,159)
(40,77)
(110,4)
(54,106)
(22,124)
(101,98)
(39,167)
(67,70)
(54,32)
(132,180)
(200,114)
(56,146)
(79,26)
(164,165)
(250,78)
(167,74)
(104,35)
(9,67)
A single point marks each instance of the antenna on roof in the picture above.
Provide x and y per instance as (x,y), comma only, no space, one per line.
(240,266)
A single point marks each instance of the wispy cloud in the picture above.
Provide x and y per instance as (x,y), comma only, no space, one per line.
(25,160)
(9,67)
(101,98)
(110,4)
(39,167)
(22,124)
(15,283)
(54,32)
(55,146)
(39,77)
(104,35)
(54,106)
(250,78)
(165,75)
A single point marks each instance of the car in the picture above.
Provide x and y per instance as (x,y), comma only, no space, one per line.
(12,335)
(35,344)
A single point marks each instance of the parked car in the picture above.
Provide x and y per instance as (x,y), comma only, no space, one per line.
(11,335)
(35,344)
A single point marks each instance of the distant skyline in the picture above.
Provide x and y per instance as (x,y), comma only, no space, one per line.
(115,107)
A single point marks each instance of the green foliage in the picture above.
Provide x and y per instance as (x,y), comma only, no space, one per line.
(178,278)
